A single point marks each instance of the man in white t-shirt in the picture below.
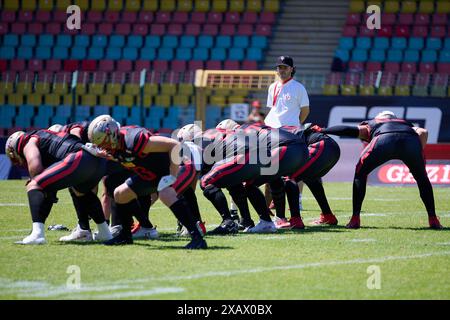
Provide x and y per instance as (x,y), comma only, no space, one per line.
(289,106)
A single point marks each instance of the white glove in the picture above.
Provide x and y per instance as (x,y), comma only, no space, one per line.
(165,182)
(96,151)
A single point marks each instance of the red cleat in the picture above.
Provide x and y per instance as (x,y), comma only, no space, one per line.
(329,219)
(282,223)
(296,223)
(354,223)
(434,223)
(135,227)
(201,226)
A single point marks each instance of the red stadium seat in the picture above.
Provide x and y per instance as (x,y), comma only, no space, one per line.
(355,66)
(420,31)
(263,30)
(388,19)
(192,29)
(17,65)
(140,29)
(124,66)
(157,29)
(195,64)
(231,65)
(163,17)
(349,31)
(227,29)
(178,65)
(105,28)
(129,17)
(439,19)
(210,29)
(18,28)
(198,17)
(94,17)
(440,79)
(392,67)
(354,19)
(3,28)
(89,29)
(232,17)
(245,29)
(70,65)
(426,67)
(365,32)
(180,17)
(334,78)
(214,17)
(89,65)
(373,66)
(405,19)
(3,65)
(443,68)
(145,17)
(141,65)
(53,65)
(35,65)
(59,16)
(249,65)
(160,65)
(402,31)
(106,65)
(267,17)
(410,67)
(404,79)
(438,31)
(422,79)
(36,28)
(123,29)
(352,78)
(388,79)
(175,29)
(249,17)
(422,19)
(213,65)
(43,16)
(111,16)
(8,16)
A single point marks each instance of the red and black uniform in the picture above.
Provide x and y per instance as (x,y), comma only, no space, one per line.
(388,139)
(82,125)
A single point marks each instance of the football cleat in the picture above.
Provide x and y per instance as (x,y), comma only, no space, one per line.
(434,223)
(226,227)
(78,234)
(196,243)
(296,223)
(271,205)
(120,239)
(282,223)
(201,227)
(135,227)
(262,227)
(33,239)
(246,224)
(115,230)
(146,233)
(329,219)
(354,223)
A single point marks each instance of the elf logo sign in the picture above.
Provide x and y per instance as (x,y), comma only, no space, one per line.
(399,174)
(428,118)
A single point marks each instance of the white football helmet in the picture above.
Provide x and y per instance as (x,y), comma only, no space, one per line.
(386,115)
(103,131)
(11,147)
(189,132)
(56,127)
(227,124)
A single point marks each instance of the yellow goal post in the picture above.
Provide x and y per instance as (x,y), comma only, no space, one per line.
(228,79)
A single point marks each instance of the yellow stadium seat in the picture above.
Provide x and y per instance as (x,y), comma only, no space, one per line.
(222,92)
(374,2)
(330,90)
(163,100)
(391,7)
(11,5)
(24,87)
(114,88)
(254,5)
(408,6)
(181,101)
(150,5)
(34,99)
(2,99)
(237,6)
(201,5)
(52,99)
(147,101)
(420,91)
(168,89)
(366,90)
(6,87)
(60,88)
(29,5)
(239,92)
(42,87)
(167,5)
(438,91)
(89,100)
(132,88)
(127,100)
(83,4)
(108,100)
(219,5)
(217,101)
(67,99)
(151,89)
(426,7)
(185,89)
(272,5)
(236,99)
(97,88)
(115,5)
(132,5)
(357,6)
(81,88)
(16,99)
(46,5)
(443,7)
(63,4)
(385,91)
(98,5)
(402,91)
(185,5)
(348,90)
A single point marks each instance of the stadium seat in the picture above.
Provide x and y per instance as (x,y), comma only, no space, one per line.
(394,55)
(416,43)
(398,43)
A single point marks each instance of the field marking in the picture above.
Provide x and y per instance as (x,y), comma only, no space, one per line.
(13,204)
(12,237)
(143,293)
(362,240)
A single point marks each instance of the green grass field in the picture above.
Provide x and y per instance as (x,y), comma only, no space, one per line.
(317,263)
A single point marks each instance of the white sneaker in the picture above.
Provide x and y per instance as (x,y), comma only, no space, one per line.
(262,227)
(115,230)
(33,239)
(104,237)
(78,234)
(146,233)
(183,232)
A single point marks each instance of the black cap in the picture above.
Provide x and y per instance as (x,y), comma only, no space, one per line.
(285,61)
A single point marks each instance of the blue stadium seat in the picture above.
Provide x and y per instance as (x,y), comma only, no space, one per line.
(113,53)
(394,55)
(95,53)
(43,53)
(63,40)
(116,41)
(444,56)
(169,41)
(44,110)
(187,42)
(152,123)
(41,121)
(342,54)
(346,43)
(218,54)
(236,54)
(381,43)
(25,52)
(165,54)
(60,120)
(7,53)
(398,43)
(205,41)
(82,112)
(60,53)
(254,54)
(26,110)
(63,111)
(415,43)
(201,54)
(363,43)
(135,41)
(82,40)
(183,54)
(223,41)
(429,56)
(99,41)
(99,110)
(240,41)
(28,40)
(377,55)
(147,54)
(46,40)
(78,53)
(411,55)
(259,42)
(170,123)
(447,43)
(152,41)
(23,121)
(359,55)
(130,53)
(434,43)
(119,113)
(10,40)
(156,112)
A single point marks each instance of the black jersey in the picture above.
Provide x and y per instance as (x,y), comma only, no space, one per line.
(308,136)
(53,146)
(381,126)
(268,136)
(83,126)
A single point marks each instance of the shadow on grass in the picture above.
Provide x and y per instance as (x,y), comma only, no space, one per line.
(153,246)
(309,229)
(406,228)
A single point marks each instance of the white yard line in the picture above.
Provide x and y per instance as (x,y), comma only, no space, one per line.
(143,293)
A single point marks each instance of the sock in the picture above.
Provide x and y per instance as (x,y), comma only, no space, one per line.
(40,205)
(258,202)
(103,229)
(239,195)
(181,211)
(115,219)
(233,206)
(217,198)
(318,192)
(278,196)
(38,229)
(191,199)
(139,212)
(124,212)
(292,194)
